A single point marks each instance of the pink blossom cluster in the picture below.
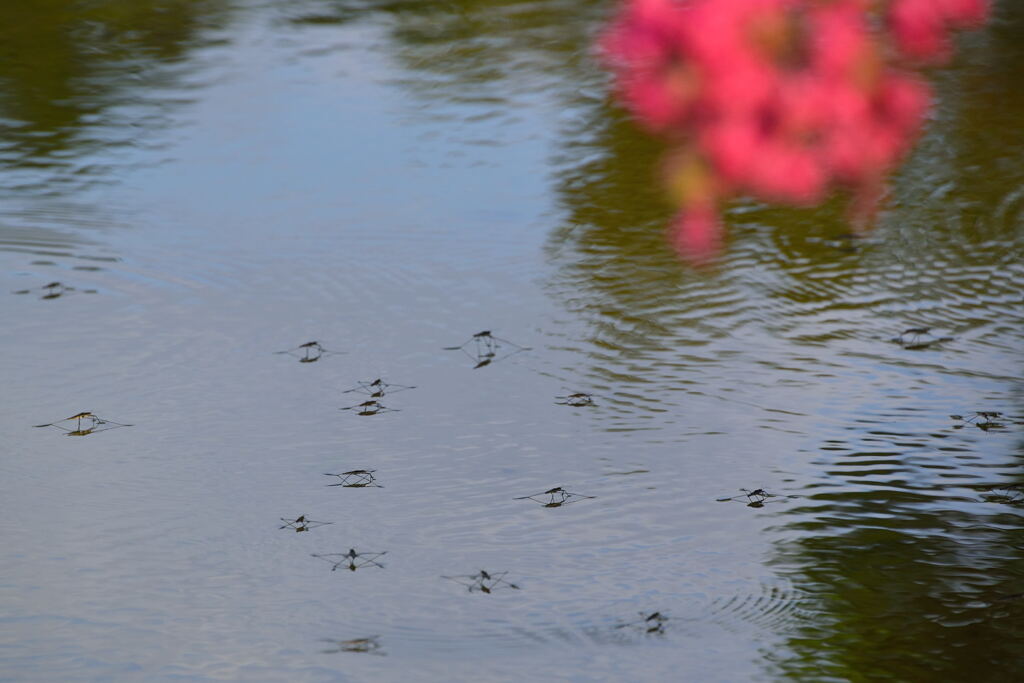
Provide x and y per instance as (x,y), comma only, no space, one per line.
(785,100)
(921,28)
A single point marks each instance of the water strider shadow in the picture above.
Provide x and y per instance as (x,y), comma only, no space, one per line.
(355,479)
(54,290)
(351,560)
(648,624)
(368,645)
(556,497)
(93,424)
(483,348)
(483,581)
(300,523)
(310,352)
(372,407)
(917,338)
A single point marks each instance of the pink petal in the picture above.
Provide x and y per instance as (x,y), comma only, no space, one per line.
(697,234)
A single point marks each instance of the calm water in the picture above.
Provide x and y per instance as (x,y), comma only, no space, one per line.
(389,178)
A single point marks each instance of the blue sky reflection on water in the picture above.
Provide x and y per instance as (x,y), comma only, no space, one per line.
(389,179)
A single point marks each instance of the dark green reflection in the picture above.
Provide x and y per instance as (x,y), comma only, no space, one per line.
(71,74)
(910,584)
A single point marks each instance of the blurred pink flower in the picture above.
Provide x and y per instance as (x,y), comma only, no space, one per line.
(648,46)
(921,27)
(785,100)
(696,233)
(732,146)
(840,43)
(787,173)
(965,13)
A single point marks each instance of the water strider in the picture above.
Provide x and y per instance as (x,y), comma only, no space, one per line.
(557,497)
(578,399)
(917,338)
(312,351)
(355,479)
(301,523)
(754,498)
(486,348)
(95,424)
(377,388)
(483,581)
(349,560)
(982,419)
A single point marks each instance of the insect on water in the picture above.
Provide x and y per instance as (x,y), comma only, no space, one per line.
(555,497)
(484,348)
(754,498)
(310,352)
(93,424)
(301,523)
(916,338)
(355,479)
(377,388)
(1010,494)
(982,419)
(578,400)
(351,560)
(483,581)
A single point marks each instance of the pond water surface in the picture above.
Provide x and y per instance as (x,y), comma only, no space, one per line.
(213,181)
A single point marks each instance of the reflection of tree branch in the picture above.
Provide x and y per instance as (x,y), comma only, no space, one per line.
(65,64)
